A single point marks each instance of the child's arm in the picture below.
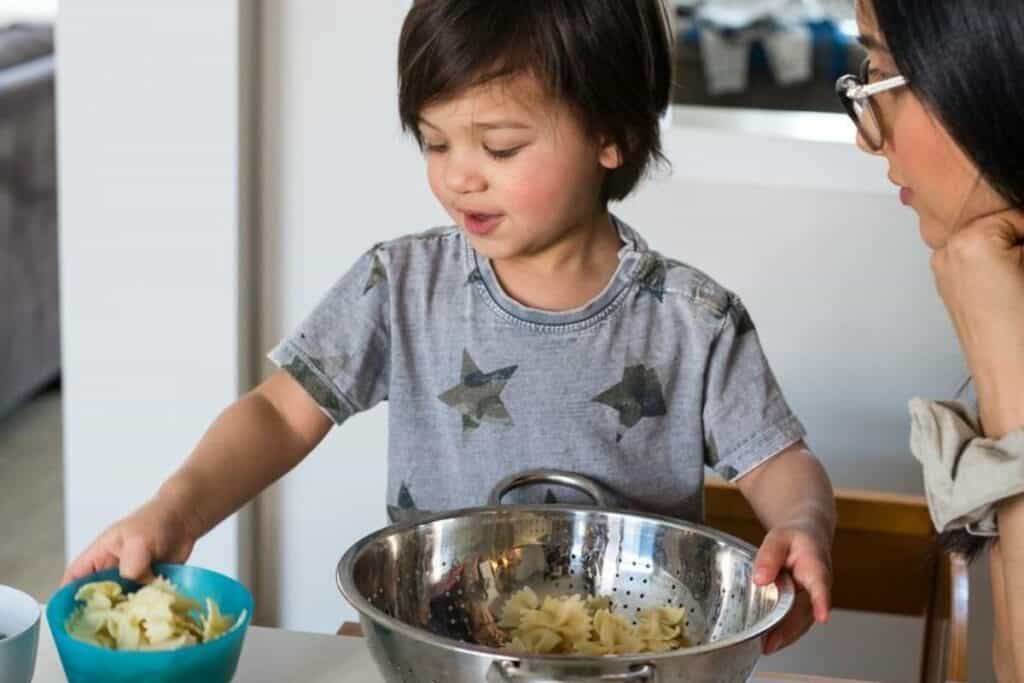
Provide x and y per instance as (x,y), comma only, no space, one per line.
(249,446)
(793,498)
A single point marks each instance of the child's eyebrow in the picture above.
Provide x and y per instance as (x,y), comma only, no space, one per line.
(486,125)
(491,125)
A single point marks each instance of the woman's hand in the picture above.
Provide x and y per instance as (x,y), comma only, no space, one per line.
(980,276)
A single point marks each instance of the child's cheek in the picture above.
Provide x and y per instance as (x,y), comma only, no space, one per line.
(541,187)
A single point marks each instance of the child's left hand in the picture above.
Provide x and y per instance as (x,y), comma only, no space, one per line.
(801,549)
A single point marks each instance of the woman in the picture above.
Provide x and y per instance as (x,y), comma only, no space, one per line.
(941,98)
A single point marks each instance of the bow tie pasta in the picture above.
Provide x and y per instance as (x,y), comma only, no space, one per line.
(574,625)
(155,617)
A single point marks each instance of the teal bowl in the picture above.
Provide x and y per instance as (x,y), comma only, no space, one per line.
(213,662)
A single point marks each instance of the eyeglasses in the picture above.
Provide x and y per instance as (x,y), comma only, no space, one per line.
(855,92)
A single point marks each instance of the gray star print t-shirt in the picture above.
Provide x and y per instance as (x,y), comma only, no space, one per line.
(657,377)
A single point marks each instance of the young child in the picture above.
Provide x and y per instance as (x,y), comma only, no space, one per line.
(539,330)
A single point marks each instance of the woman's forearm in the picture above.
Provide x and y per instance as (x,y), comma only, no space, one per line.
(1000,387)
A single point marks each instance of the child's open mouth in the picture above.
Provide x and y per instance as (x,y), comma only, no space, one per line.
(481,224)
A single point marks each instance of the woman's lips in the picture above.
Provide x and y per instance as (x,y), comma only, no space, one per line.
(906,195)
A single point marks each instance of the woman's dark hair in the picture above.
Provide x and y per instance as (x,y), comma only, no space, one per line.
(959,542)
(964,60)
(609,60)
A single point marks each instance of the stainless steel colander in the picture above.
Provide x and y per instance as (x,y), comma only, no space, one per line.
(429,592)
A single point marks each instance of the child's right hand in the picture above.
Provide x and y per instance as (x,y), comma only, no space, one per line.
(153,533)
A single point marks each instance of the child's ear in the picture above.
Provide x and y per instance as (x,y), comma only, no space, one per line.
(609,156)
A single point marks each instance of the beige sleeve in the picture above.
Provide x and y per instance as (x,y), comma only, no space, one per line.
(965,474)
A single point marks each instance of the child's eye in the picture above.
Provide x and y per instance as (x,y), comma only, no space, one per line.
(503,153)
(435,148)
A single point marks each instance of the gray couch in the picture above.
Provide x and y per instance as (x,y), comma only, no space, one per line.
(29,312)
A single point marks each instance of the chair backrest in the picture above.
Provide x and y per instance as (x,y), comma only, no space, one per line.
(885,560)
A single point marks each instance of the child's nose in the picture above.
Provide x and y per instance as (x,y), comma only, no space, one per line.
(462,177)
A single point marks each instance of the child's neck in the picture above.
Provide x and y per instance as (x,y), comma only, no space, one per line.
(567,273)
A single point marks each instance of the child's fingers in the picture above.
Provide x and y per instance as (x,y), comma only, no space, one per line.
(136,560)
(815,578)
(91,561)
(797,623)
(771,558)
(181,554)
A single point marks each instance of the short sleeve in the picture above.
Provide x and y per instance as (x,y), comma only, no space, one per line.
(340,352)
(746,417)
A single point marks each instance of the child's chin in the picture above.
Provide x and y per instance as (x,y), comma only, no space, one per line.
(488,247)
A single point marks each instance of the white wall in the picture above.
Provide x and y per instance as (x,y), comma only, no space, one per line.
(828,262)
(152,249)
(28,10)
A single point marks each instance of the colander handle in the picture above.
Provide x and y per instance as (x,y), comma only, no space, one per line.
(601,494)
(507,671)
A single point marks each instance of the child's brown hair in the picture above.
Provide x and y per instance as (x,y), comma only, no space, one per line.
(609,60)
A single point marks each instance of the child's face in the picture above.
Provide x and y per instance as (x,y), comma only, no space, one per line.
(515,170)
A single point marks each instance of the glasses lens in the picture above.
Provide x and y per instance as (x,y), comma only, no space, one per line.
(867,123)
(860,110)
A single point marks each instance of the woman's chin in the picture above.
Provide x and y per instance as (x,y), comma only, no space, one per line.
(934,233)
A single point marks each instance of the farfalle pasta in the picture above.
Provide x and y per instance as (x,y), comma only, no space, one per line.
(574,625)
(155,617)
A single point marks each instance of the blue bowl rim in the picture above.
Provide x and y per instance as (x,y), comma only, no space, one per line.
(64,639)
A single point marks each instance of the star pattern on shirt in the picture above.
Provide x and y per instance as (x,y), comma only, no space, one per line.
(313,384)
(377,274)
(652,275)
(741,319)
(405,505)
(637,396)
(475,277)
(478,395)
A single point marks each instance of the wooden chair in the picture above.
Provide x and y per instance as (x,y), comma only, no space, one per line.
(884,560)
